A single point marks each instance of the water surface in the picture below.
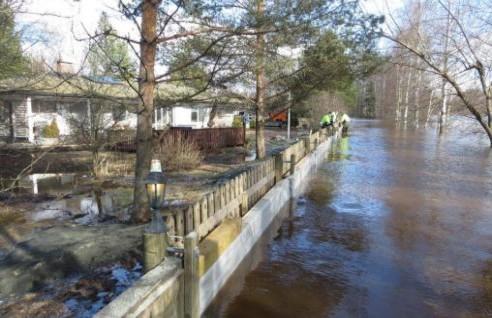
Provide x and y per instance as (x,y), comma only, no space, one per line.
(396,223)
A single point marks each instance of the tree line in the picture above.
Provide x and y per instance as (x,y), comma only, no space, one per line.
(438,66)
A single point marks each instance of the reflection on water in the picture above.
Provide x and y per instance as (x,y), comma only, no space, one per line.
(396,224)
(50,183)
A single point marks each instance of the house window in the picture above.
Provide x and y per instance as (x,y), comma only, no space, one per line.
(43,106)
(194,115)
(201,114)
(78,108)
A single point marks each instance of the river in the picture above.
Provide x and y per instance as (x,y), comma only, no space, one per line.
(395,223)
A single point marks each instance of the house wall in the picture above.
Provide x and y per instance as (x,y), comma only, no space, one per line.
(40,120)
(5,127)
(62,113)
(182,116)
(224,119)
(29,118)
(130,121)
(14,121)
(162,118)
(65,113)
(20,119)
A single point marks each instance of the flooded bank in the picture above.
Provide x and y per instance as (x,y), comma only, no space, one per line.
(396,223)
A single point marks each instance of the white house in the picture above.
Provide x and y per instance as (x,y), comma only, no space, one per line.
(196,116)
(24,113)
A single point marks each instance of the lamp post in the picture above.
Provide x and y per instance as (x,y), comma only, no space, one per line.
(155,233)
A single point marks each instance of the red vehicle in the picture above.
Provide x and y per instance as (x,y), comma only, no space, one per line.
(278,118)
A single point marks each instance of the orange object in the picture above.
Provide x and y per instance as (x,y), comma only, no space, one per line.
(280,116)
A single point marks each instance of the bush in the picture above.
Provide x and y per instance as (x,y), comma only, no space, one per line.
(177,152)
(51,130)
(252,124)
(237,122)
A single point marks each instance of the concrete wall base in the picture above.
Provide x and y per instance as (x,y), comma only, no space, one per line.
(257,220)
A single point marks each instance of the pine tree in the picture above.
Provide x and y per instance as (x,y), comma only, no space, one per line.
(108,55)
(12,61)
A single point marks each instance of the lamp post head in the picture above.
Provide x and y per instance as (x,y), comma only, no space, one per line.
(155,184)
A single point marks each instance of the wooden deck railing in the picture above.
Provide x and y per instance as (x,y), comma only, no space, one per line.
(205,138)
(210,138)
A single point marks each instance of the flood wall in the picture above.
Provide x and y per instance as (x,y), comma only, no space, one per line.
(162,291)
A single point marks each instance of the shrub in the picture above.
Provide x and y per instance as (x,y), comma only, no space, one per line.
(51,130)
(237,122)
(252,124)
(177,152)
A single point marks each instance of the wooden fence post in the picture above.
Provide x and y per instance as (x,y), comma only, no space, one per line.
(211,208)
(292,164)
(180,223)
(154,249)
(203,217)
(191,277)
(189,220)
(279,167)
(196,217)
(307,144)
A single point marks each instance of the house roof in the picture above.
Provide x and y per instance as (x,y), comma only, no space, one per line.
(68,85)
(84,87)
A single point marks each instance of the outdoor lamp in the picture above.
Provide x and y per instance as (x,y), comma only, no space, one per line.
(155,234)
(155,183)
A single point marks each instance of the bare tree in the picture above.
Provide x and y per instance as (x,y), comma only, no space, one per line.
(445,61)
(463,63)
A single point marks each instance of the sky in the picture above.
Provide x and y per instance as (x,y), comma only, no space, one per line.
(65,23)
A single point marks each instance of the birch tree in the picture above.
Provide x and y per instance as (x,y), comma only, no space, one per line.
(464,62)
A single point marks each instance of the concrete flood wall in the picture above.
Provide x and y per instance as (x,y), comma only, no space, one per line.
(159,293)
(174,290)
(256,221)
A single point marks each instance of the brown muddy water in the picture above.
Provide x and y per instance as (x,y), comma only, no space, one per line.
(396,223)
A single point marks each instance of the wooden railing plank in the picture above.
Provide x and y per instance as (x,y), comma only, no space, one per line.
(236,196)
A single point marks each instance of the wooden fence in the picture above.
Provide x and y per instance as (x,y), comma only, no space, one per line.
(209,138)
(234,197)
(205,138)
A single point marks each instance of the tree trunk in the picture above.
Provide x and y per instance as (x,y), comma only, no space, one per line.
(444,110)
(260,84)
(398,93)
(444,95)
(407,95)
(488,106)
(429,109)
(146,86)
(382,97)
(213,114)
(417,99)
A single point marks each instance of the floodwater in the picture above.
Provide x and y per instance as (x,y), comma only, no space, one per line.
(396,223)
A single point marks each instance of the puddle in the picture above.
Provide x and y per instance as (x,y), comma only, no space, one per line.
(58,184)
(85,208)
(250,156)
(120,276)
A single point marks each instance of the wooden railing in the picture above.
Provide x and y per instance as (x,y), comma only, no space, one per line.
(205,138)
(210,138)
(234,197)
